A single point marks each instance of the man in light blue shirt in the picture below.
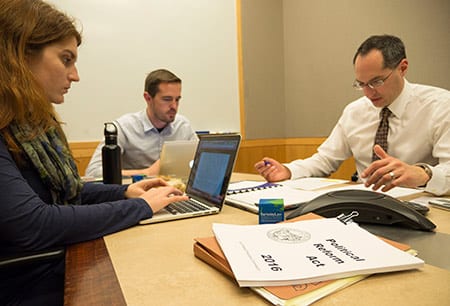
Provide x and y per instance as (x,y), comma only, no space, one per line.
(141,134)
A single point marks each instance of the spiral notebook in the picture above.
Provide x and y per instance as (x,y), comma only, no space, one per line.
(246,195)
(248,186)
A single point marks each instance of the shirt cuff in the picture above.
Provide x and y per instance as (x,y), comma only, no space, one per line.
(437,185)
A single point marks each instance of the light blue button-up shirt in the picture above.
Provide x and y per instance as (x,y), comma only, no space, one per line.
(140,141)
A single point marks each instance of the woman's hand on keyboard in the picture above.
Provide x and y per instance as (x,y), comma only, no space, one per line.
(160,197)
(139,188)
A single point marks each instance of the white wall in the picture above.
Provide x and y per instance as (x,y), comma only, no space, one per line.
(123,40)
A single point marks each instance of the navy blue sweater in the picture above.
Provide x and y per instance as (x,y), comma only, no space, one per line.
(28,222)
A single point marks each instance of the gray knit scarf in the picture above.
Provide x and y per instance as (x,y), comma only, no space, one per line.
(50,156)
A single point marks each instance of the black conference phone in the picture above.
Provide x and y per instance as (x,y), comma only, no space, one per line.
(371,207)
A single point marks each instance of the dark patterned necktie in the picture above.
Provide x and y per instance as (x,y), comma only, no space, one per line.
(382,132)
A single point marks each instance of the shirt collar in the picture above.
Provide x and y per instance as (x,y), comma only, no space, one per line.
(148,126)
(146,123)
(398,107)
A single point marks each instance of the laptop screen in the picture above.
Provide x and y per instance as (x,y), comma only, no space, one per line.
(176,158)
(213,165)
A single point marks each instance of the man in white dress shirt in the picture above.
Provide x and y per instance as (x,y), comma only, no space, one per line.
(141,134)
(418,140)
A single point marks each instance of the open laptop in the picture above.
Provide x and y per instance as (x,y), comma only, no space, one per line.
(176,158)
(208,181)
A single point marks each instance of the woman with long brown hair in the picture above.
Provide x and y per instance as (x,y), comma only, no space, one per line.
(43,202)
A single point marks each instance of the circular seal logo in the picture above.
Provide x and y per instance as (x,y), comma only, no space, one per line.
(288,235)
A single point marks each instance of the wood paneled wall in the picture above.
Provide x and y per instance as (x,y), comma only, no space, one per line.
(82,153)
(284,150)
(251,151)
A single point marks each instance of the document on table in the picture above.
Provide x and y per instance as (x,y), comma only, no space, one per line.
(306,252)
(312,183)
(396,192)
(246,194)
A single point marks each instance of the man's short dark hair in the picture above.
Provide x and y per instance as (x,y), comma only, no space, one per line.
(157,77)
(391,47)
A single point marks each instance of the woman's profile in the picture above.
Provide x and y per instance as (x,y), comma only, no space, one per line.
(43,201)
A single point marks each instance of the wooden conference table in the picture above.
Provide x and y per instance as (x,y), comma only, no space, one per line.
(155,265)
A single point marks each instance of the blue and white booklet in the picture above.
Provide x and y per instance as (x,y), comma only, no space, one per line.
(306,252)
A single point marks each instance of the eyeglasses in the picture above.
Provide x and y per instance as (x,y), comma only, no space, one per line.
(372,84)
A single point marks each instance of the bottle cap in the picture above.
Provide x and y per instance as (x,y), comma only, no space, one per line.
(110,132)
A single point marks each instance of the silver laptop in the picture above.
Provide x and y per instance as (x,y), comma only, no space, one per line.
(208,181)
(176,158)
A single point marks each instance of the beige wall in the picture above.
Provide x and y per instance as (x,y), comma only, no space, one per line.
(319,41)
(263,68)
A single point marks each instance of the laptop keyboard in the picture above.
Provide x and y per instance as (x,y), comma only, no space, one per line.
(183,207)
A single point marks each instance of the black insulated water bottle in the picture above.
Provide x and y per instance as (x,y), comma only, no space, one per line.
(111,159)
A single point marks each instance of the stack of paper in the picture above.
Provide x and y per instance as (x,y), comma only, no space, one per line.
(208,250)
(305,252)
